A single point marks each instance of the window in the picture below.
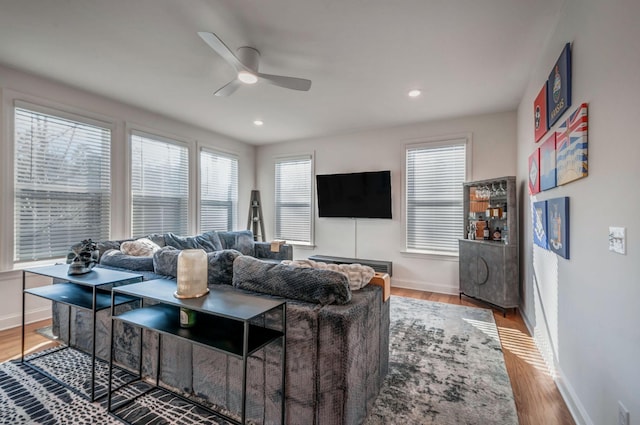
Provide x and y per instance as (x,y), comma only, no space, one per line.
(62,182)
(218,191)
(293,199)
(159,185)
(434,176)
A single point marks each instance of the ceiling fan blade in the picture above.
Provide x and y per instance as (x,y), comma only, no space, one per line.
(287,82)
(228,89)
(220,48)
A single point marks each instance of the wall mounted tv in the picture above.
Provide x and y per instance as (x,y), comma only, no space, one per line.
(354,195)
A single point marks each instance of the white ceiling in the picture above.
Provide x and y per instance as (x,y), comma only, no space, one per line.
(363,56)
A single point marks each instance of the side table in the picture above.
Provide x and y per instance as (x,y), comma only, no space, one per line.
(224,322)
(83,291)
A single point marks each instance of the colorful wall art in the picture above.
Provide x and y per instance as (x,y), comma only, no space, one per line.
(571,147)
(559,86)
(534,172)
(539,216)
(548,163)
(558,226)
(540,122)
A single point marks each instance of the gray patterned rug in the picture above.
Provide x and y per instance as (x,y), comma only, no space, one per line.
(446,367)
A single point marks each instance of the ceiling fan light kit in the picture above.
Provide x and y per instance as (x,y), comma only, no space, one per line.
(247,77)
(246,64)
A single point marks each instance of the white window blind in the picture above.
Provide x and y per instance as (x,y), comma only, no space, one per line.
(62,183)
(434,177)
(294,193)
(218,191)
(159,185)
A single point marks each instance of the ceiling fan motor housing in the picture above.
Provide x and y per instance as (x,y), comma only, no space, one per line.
(249,57)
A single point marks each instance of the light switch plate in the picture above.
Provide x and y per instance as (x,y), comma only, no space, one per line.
(617,240)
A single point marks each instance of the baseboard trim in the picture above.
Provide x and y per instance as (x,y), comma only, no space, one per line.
(572,401)
(14,320)
(425,286)
(578,413)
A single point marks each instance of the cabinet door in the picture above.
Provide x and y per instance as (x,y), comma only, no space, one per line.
(492,290)
(473,269)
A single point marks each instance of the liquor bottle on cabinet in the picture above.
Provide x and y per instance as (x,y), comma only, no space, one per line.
(489,265)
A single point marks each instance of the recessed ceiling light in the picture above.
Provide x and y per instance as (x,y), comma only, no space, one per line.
(258,123)
(247,77)
(414,93)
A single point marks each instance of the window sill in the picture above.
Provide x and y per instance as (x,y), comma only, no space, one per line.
(433,255)
(39,263)
(302,245)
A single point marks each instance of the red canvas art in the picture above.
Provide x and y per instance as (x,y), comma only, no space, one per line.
(540,122)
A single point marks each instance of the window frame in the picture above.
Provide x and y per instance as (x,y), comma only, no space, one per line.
(236,207)
(13,101)
(433,142)
(290,158)
(172,140)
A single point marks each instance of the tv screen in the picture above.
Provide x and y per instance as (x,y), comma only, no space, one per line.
(354,195)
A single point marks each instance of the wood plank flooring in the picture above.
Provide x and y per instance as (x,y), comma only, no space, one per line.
(537,398)
(10,341)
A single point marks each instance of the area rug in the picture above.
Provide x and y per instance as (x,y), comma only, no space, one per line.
(446,367)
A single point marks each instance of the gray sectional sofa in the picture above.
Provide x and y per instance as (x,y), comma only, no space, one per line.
(337,339)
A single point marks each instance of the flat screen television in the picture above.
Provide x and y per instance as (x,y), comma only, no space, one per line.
(354,195)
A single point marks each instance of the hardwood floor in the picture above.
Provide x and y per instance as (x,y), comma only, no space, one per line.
(537,398)
(10,341)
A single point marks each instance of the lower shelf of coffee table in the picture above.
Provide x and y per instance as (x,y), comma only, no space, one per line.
(216,332)
(78,295)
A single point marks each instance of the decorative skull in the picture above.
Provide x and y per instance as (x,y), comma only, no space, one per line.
(83,257)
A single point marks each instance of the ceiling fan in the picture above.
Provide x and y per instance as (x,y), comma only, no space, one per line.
(245,64)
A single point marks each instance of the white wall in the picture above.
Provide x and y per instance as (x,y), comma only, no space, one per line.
(494,153)
(15,85)
(585,309)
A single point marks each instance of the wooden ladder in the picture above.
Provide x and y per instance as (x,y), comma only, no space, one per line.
(255,216)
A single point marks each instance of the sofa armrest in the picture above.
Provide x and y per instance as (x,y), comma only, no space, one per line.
(384,281)
(263,251)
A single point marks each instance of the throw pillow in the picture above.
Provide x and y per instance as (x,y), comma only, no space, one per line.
(208,241)
(116,258)
(305,284)
(219,269)
(240,240)
(142,247)
(165,261)
(359,276)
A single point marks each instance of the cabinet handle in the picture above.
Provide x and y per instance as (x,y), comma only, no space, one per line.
(482,271)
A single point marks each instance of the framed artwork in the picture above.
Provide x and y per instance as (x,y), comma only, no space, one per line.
(534,172)
(571,147)
(559,86)
(540,122)
(539,218)
(548,163)
(558,226)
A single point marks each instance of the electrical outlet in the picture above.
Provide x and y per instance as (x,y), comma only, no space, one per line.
(623,414)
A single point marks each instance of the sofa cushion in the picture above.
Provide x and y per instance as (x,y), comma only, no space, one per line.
(219,269)
(208,241)
(298,283)
(142,247)
(240,240)
(359,276)
(116,258)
